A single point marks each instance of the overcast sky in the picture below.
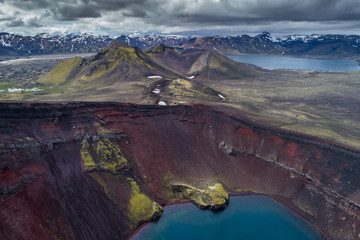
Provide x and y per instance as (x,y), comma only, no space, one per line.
(187,17)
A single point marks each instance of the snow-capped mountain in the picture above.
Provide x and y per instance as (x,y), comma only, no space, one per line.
(327,46)
(49,44)
(331,46)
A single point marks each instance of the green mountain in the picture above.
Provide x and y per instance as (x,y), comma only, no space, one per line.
(117,62)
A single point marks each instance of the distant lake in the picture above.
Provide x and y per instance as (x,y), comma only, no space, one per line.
(304,64)
(47,57)
(246,218)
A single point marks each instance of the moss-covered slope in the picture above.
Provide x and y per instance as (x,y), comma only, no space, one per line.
(212,196)
(63,72)
(119,62)
(115,63)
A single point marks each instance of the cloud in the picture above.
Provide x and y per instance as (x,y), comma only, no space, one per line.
(74,12)
(227,12)
(31,4)
(15,23)
(121,16)
(34,23)
(135,12)
(6,19)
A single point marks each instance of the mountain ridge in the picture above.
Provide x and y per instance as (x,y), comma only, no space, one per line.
(115,62)
(120,62)
(166,75)
(313,45)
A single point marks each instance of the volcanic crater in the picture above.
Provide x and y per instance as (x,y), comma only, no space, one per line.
(85,170)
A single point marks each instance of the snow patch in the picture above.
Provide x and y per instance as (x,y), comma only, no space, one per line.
(162,103)
(5,43)
(44,35)
(221,96)
(303,38)
(152,77)
(15,90)
(156,91)
(127,39)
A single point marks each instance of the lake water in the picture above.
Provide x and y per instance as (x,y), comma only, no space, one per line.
(246,218)
(303,64)
(48,57)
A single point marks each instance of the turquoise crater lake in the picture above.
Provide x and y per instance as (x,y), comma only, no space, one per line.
(246,218)
(302,64)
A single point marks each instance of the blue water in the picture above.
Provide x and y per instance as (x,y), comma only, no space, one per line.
(246,218)
(303,64)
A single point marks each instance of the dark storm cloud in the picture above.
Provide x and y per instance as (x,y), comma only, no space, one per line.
(6,19)
(182,14)
(93,8)
(318,10)
(223,11)
(15,23)
(136,12)
(116,5)
(34,22)
(229,13)
(73,13)
(31,4)
(71,10)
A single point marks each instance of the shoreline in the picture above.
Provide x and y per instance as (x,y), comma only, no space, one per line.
(286,203)
(290,206)
(176,202)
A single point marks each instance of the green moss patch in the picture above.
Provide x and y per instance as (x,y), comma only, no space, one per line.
(6,85)
(305,208)
(61,72)
(102,154)
(244,190)
(141,208)
(213,196)
(89,163)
